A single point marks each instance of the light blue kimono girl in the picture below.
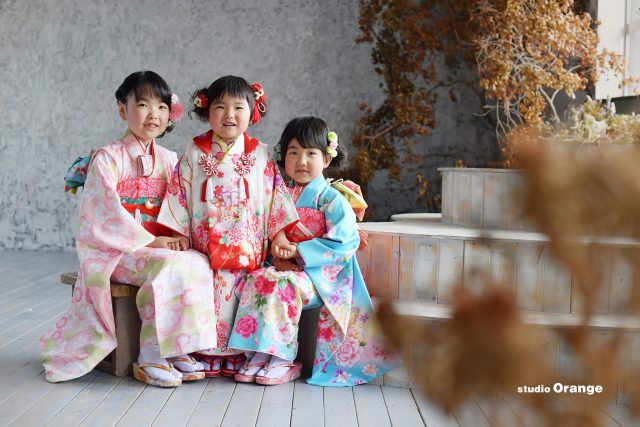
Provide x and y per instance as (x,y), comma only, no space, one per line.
(350,347)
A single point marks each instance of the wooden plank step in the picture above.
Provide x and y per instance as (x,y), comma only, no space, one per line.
(432,227)
(620,322)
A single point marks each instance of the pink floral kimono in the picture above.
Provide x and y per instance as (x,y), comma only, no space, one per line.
(230,200)
(118,215)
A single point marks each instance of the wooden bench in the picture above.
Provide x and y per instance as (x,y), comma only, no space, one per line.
(123,298)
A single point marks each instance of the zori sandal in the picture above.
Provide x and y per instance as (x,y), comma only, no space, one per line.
(182,363)
(212,364)
(291,374)
(141,375)
(243,377)
(236,361)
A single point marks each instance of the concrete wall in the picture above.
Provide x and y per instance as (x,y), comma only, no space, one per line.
(62,60)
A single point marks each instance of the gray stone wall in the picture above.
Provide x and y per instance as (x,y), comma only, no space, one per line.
(62,60)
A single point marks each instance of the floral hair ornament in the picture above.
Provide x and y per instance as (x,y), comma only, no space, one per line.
(177,110)
(201,100)
(259,102)
(332,145)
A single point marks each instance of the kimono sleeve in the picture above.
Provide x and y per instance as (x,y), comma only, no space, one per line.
(175,213)
(104,224)
(340,242)
(282,212)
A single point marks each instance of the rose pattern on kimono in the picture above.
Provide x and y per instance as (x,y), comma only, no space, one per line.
(109,237)
(240,225)
(269,311)
(350,346)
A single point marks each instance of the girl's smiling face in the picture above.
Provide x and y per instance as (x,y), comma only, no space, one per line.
(303,165)
(229,117)
(147,116)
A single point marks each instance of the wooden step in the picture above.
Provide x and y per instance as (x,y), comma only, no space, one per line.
(431,226)
(619,322)
(425,261)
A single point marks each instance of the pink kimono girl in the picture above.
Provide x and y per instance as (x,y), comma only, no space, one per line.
(228,198)
(350,347)
(119,239)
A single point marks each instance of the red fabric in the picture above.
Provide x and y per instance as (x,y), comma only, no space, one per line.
(255,118)
(157,229)
(312,220)
(228,257)
(204,141)
(220,255)
(131,208)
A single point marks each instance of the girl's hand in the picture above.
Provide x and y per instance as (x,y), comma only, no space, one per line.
(183,243)
(281,246)
(285,251)
(164,242)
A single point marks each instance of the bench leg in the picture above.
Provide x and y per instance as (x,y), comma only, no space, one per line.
(307,336)
(120,361)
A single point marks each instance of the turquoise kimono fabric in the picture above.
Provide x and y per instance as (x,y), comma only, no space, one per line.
(350,349)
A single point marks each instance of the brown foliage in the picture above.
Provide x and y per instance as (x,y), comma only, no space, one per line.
(586,198)
(408,37)
(526,53)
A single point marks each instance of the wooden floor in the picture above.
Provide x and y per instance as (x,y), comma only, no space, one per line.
(33,299)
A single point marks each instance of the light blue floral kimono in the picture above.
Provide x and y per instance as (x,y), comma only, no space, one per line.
(350,349)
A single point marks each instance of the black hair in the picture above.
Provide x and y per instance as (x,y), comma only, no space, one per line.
(311,132)
(230,85)
(143,83)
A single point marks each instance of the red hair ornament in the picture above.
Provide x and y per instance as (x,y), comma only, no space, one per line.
(259,102)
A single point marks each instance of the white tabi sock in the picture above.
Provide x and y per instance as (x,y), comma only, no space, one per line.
(275,371)
(257,359)
(151,354)
(186,366)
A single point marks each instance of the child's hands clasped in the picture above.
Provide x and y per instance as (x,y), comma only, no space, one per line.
(178,243)
(285,251)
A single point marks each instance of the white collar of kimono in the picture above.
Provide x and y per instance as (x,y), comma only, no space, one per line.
(133,145)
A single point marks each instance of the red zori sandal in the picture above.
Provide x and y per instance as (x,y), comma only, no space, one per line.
(212,364)
(236,361)
(291,374)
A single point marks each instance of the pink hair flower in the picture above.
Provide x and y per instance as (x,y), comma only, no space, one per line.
(177,110)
